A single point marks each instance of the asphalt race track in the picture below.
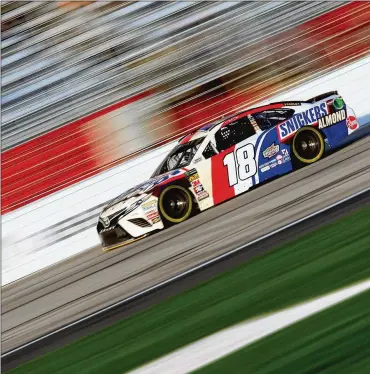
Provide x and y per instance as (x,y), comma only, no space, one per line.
(93,280)
(127,309)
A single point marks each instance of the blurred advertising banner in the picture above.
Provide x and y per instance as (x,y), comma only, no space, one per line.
(61,157)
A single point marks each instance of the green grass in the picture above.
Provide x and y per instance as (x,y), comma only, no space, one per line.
(325,260)
(335,341)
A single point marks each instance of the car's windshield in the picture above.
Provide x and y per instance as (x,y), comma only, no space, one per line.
(179,157)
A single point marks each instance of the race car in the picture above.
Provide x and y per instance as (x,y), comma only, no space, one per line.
(224,159)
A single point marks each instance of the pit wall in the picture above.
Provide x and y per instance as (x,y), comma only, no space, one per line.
(62,224)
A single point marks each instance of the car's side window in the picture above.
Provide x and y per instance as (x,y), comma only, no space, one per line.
(233,133)
(209,151)
(270,118)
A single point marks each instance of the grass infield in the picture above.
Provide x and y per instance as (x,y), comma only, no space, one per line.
(335,341)
(329,258)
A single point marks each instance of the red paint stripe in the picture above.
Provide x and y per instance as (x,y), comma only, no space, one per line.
(220,180)
(187,138)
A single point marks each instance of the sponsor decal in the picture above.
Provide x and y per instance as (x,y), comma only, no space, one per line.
(151,211)
(197,160)
(283,157)
(332,119)
(286,156)
(352,123)
(305,118)
(193,178)
(152,215)
(291,103)
(202,195)
(338,103)
(192,175)
(271,151)
(149,205)
(280,158)
(200,191)
(267,166)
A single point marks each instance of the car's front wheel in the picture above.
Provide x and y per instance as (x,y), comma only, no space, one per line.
(308,145)
(175,204)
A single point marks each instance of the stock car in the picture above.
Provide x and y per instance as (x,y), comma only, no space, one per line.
(224,159)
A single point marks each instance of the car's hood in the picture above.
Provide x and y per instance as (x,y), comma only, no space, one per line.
(129,196)
(123,206)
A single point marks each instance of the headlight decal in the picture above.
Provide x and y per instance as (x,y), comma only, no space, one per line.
(114,218)
(105,221)
(136,204)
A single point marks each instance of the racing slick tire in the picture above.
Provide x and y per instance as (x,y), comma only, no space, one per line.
(175,204)
(308,145)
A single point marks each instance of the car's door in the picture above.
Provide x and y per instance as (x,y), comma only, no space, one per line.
(234,167)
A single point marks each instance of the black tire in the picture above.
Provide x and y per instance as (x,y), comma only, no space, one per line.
(175,204)
(308,145)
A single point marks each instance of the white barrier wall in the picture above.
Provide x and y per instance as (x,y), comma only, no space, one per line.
(63,224)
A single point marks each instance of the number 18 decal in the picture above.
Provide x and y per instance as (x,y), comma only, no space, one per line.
(241,164)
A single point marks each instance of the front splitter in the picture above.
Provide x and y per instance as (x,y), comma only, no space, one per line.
(114,246)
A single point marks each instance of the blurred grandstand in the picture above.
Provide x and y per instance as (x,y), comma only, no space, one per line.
(86,85)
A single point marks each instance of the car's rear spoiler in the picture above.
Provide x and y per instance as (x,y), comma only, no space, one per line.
(321,97)
(310,101)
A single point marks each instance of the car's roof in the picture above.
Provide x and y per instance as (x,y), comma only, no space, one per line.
(202,131)
(193,136)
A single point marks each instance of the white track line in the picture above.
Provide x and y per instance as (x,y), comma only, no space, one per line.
(225,342)
(185,273)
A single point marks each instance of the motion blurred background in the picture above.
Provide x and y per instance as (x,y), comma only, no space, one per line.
(88,85)
(93,95)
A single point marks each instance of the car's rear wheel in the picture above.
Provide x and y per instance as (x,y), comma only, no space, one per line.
(308,145)
(175,204)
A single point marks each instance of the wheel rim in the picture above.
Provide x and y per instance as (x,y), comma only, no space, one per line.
(175,204)
(308,146)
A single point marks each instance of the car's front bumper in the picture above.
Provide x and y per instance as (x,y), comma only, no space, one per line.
(121,243)
(112,235)
(132,226)
(115,237)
